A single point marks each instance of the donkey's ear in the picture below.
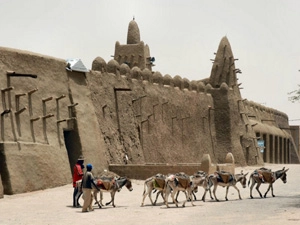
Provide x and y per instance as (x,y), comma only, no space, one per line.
(286,170)
(283,168)
(246,174)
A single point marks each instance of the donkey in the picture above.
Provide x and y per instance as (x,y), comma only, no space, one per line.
(111,186)
(216,179)
(156,182)
(262,175)
(201,182)
(176,183)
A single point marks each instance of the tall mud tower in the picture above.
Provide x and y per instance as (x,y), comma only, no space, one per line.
(231,132)
(134,53)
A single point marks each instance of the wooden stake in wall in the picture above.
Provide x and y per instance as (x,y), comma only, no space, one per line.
(45,116)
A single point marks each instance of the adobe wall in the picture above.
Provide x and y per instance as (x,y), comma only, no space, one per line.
(123,54)
(233,132)
(35,113)
(157,123)
(144,171)
(271,122)
(32,167)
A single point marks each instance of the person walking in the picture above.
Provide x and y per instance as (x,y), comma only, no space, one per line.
(77,176)
(87,183)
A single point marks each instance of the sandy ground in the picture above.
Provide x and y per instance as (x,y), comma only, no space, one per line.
(54,206)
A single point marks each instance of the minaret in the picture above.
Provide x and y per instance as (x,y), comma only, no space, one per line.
(133,35)
(223,70)
(134,53)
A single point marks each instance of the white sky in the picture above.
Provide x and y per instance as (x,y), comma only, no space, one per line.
(182,36)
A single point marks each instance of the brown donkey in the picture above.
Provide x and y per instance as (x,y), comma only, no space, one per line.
(265,176)
(227,180)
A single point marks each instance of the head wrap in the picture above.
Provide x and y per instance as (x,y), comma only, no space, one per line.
(89,167)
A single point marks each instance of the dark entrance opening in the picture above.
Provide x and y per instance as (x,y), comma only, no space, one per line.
(73,146)
(4,174)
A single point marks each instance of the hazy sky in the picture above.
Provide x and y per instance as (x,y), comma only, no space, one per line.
(182,36)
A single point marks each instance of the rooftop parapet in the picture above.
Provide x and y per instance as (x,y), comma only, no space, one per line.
(99,64)
(113,67)
(261,107)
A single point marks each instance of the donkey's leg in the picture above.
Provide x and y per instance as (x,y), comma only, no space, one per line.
(210,184)
(251,187)
(211,197)
(190,196)
(95,197)
(272,190)
(150,195)
(161,192)
(186,195)
(207,188)
(112,194)
(270,187)
(144,196)
(145,193)
(204,194)
(157,194)
(186,198)
(168,190)
(214,191)
(227,188)
(101,197)
(177,194)
(194,195)
(173,195)
(107,203)
(237,191)
(257,188)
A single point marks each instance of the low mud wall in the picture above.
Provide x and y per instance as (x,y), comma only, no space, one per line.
(144,171)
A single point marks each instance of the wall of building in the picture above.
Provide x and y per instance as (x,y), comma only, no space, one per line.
(38,108)
(153,123)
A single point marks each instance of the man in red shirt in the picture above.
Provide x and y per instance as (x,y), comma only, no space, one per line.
(77,175)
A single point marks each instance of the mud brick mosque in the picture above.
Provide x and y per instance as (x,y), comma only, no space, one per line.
(122,113)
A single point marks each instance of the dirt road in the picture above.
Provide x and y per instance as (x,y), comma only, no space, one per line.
(54,206)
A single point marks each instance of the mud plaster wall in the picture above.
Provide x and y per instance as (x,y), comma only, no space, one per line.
(33,153)
(271,122)
(162,123)
(158,124)
(144,171)
(230,129)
